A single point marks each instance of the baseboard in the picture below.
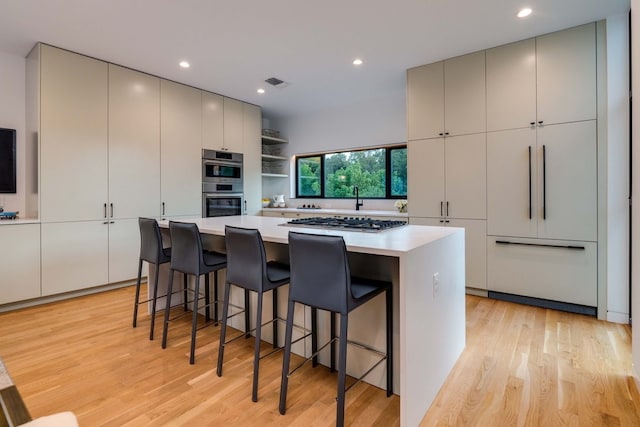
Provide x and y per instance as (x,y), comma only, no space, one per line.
(67,295)
(617,317)
(477,292)
(544,303)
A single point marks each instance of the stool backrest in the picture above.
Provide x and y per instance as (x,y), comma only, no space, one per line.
(186,248)
(246,258)
(320,275)
(150,241)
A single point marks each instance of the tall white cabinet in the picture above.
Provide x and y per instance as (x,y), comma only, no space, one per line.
(180,150)
(517,147)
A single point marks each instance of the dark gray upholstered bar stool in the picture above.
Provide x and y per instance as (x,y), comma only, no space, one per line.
(247,268)
(188,257)
(321,279)
(151,251)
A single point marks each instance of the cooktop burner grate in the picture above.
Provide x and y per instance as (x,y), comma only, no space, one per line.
(349,224)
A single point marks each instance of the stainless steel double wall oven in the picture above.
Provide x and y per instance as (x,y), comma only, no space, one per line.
(222,177)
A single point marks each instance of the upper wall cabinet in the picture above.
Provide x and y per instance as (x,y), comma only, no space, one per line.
(134,143)
(547,80)
(233,125)
(212,121)
(73,136)
(181,149)
(447,98)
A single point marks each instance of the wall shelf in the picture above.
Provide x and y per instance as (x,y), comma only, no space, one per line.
(275,175)
(269,140)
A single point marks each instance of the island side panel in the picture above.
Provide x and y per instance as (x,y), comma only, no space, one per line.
(432,327)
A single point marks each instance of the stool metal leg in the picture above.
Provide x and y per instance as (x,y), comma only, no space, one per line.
(166,309)
(247,320)
(286,360)
(215,296)
(333,343)
(342,370)
(185,292)
(223,327)
(207,299)
(153,303)
(194,321)
(135,306)
(256,355)
(274,296)
(389,300)
(314,335)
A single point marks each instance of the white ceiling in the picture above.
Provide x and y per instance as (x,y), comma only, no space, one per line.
(234,45)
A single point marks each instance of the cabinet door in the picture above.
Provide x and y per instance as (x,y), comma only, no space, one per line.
(212,121)
(567,195)
(124,249)
(511,85)
(475,247)
(20,262)
(566,70)
(464,94)
(425,101)
(252,124)
(233,125)
(547,272)
(74,256)
(511,183)
(180,150)
(73,144)
(425,175)
(134,143)
(466,176)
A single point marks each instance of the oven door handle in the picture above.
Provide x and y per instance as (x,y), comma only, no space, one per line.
(222,194)
(218,162)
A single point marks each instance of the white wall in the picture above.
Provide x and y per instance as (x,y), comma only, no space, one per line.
(635,162)
(618,169)
(12,115)
(374,122)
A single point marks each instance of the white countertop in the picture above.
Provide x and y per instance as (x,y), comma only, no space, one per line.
(18,221)
(353,212)
(393,242)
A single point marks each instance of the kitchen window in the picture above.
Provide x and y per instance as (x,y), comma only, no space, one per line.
(379,173)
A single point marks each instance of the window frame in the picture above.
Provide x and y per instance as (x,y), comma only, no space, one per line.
(387,185)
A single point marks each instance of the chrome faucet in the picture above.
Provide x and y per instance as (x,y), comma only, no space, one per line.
(358,202)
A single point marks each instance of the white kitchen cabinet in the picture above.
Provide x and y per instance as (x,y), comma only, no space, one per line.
(542,182)
(20,262)
(180,149)
(566,75)
(134,144)
(547,80)
(552,269)
(511,85)
(73,136)
(212,121)
(447,177)
(124,249)
(475,243)
(233,125)
(74,256)
(252,127)
(447,98)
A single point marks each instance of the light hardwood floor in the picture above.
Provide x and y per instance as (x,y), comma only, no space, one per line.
(521,366)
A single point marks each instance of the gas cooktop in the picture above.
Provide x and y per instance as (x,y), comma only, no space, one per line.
(348,224)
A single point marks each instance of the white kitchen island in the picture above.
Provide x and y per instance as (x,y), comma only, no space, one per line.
(429,318)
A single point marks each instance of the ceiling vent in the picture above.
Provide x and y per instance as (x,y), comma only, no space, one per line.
(273,81)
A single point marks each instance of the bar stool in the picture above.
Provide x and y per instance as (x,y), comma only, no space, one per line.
(188,257)
(321,279)
(151,251)
(247,268)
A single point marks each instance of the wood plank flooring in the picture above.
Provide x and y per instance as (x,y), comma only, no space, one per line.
(523,366)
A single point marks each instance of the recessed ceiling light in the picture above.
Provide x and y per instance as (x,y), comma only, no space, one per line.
(260,90)
(357,61)
(524,12)
(184,64)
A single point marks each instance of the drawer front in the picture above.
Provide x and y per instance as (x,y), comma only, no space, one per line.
(549,269)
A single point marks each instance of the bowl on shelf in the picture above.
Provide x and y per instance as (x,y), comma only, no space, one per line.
(265,203)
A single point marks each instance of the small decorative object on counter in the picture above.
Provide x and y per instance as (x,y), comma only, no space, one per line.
(266,202)
(401,205)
